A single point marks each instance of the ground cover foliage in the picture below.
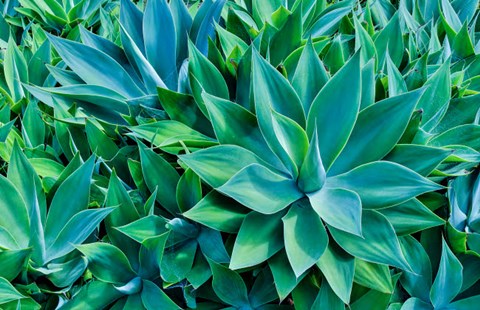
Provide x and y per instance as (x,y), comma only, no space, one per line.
(248,154)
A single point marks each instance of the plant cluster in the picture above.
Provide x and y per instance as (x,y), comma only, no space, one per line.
(240,154)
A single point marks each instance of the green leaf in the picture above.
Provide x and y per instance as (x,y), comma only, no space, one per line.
(410,217)
(448,281)
(124,213)
(284,277)
(8,292)
(184,109)
(76,230)
(95,294)
(229,286)
(418,282)
(460,135)
(160,42)
(305,237)
(363,42)
(334,112)
(390,39)
(374,276)
(327,298)
(76,190)
(160,176)
(189,190)
(435,97)
(260,234)
(144,228)
(154,298)
(378,245)
(13,262)
(261,189)
(339,208)
(377,189)
(382,125)
(16,70)
(235,125)
(312,173)
(107,263)
(329,20)
(205,77)
(421,159)
(216,165)
(14,217)
(218,212)
(396,84)
(272,92)
(309,77)
(338,268)
(95,67)
(177,261)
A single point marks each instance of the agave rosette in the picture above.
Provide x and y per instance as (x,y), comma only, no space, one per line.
(300,162)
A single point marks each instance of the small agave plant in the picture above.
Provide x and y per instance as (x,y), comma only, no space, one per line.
(305,163)
(463,224)
(102,76)
(37,241)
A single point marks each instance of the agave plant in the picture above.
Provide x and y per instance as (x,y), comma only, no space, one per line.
(294,171)
(62,16)
(38,241)
(152,55)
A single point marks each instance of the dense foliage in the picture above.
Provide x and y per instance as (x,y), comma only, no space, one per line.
(242,154)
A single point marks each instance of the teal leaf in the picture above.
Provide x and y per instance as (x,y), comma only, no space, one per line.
(154,298)
(305,237)
(229,286)
(261,189)
(448,281)
(377,189)
(339,208)
(107,263)
(334,111)
(379,243)
(382,125)
(260,234)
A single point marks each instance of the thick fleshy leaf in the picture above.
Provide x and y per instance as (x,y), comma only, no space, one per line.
(13,262)
(410,217)
(339,208)
(14,212)
(305,237)
(216,165)
(154,298)
(218,212)
(95,294)
(334,111)
(95,67)
(261,189)
(338,267)
(273,92)
(310,76)
(160,42)
(284,278)
(327,298)
(229,285)
(390,39)
(418,282)
(448,281)
(312,173)
(80,226)
(107,263)
(177,261)
(374,276)
(379,243)
(160,176)
(377,188)
(435,97)
(421,159)
(76,191)
(382,125)
(260,234)
(235,125)
(124,213)
(205,77)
